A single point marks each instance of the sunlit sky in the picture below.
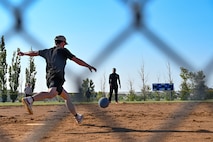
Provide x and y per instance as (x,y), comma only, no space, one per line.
(91,25)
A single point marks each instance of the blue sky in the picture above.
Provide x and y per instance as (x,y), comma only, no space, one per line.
(90,25)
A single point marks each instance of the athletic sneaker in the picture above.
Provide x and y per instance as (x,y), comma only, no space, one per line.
(27,105)
(79,118)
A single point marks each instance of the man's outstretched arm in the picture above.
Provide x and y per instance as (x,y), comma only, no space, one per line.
(82,63)
(30,53)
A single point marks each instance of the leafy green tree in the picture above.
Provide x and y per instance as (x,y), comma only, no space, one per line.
(91,86)
(3,70)
(14,74)
(87,84)
(131,96)
(30,73)
(185,86)
(209,93)
(194,84)
(198,85)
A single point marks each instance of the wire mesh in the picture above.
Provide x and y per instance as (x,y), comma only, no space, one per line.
(137,24)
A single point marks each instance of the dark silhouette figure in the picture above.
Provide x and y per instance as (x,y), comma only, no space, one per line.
(114,79)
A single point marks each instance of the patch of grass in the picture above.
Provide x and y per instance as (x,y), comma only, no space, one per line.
(40,103)
(35,103)
(10,104)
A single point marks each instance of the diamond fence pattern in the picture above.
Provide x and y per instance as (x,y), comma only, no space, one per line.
(136,24)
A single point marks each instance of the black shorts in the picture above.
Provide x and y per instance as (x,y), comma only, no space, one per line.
(55,82)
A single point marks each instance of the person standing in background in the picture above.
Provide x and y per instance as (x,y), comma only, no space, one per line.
(114,79)
(28,90)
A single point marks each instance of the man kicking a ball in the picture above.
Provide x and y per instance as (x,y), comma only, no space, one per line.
(55,58)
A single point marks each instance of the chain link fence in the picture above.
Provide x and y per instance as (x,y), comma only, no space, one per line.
(17,28)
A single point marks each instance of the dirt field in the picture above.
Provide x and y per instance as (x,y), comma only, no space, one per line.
(145,122)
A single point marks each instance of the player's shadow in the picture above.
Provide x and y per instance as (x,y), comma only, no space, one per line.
(128,130)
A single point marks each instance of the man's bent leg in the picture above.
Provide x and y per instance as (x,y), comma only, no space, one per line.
(68,102)
(71,107)
(46,95)
(28,101)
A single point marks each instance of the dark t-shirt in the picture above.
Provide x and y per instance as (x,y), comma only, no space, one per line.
(113,78)
(55,61)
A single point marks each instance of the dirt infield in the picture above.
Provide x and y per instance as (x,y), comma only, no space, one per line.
(145,122)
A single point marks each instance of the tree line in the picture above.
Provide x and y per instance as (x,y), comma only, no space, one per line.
(13,70)
(193,87)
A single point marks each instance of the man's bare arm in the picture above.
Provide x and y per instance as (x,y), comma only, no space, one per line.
(82,63)
(30,53)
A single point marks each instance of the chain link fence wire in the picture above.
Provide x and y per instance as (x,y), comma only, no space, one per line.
(136,25)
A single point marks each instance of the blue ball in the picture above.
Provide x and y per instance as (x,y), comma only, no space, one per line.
(103,102)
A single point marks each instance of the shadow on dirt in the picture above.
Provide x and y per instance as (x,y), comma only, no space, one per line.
(121,129)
